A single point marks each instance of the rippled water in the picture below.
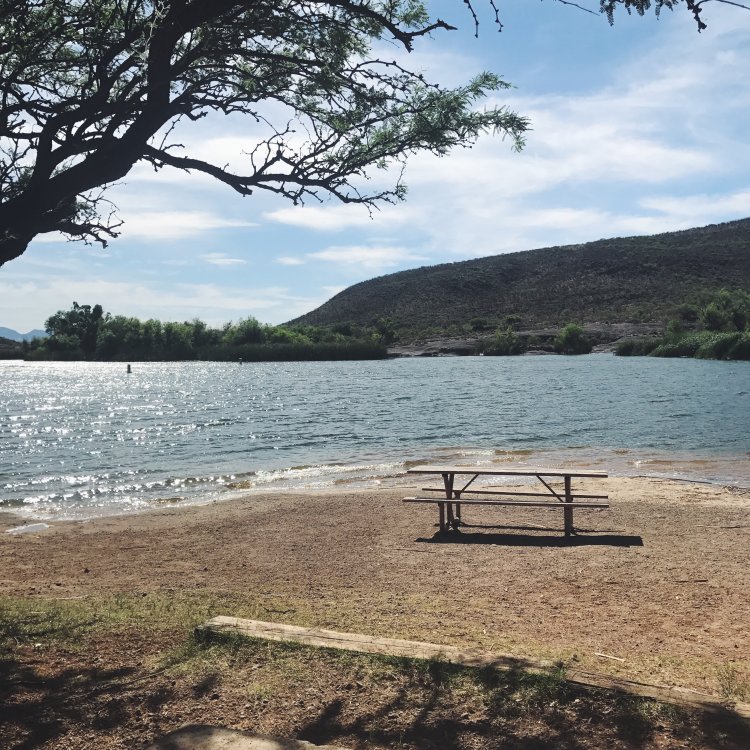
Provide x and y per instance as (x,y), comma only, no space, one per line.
(83,439)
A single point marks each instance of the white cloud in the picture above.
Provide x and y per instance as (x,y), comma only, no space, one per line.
(222,259)
(700,208)
(288,260)
(337,217)
(371,257)
(634,156)
(176,225)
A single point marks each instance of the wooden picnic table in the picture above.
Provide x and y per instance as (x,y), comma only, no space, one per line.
(454,496)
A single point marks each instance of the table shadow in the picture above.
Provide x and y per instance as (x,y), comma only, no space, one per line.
(558,539)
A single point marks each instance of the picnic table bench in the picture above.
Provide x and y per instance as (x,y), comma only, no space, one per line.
(453,496)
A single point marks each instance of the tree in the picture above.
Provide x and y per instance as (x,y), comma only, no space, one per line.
(89,88)
(76,328)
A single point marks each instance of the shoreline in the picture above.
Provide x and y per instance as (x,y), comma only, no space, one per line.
(687,467)
(659,580)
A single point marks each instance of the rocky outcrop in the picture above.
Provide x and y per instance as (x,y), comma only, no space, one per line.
(604,337)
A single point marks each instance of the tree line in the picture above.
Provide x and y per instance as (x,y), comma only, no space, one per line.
(718,329)
(86,332)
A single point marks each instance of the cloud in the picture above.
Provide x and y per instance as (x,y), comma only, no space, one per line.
(288,260)
(337,217)
(701,207)
(162,225)
(371,257)
(221,259)
(658,147)
(176,225)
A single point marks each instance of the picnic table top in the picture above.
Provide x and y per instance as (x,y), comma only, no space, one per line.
(520,471)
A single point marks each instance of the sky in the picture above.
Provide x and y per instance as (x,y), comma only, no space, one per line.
(636,129)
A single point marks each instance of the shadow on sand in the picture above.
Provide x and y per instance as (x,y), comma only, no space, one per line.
(534,537)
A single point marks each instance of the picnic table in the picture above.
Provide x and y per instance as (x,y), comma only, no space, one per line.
(453,494)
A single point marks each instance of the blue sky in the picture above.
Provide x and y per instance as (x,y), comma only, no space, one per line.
(636,129)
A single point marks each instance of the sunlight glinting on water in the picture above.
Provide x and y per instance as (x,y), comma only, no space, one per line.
(86,439)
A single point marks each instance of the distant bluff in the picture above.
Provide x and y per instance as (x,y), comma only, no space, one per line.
(629,279)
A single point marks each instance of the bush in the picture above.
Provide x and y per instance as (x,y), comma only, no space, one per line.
(707,345)
(505,344)
(741,349)
(686,347)
(636,347)
(572,340)
(717,345)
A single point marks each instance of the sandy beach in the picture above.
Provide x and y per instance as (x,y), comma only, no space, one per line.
(660,580)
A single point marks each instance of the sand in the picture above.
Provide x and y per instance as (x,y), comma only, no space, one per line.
(660,580)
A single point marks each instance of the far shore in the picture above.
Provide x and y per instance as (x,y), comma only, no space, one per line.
(660,580)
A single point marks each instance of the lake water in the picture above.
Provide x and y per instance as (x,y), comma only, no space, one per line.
(87,439)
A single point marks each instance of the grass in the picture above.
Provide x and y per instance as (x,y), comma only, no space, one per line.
(733,683)
(322,695)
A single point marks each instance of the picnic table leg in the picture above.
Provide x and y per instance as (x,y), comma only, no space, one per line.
(448,482)
(568,512)
(441,509)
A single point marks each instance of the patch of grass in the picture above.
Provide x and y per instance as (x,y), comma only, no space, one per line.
(25,620)
(733,683)
(33,620)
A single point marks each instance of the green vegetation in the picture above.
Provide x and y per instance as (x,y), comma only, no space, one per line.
(572,340)
(625,280)
(88,333)
(506,343)
(9,349)
(92,670)
(718,330)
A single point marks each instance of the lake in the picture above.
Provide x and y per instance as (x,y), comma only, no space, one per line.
(86,439)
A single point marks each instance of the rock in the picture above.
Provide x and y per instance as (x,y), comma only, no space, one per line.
(198,737)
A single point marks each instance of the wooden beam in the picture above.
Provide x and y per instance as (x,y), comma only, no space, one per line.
(368,644)
(527,503)
(508,471)
(575,496)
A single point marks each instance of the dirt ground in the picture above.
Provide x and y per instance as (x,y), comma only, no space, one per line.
(660,580)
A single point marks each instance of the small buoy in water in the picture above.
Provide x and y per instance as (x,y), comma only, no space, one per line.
(129,370)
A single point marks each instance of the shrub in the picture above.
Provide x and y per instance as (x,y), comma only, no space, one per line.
(687,313)
(686,347)
(636,347)
(572,340)
(741,349)
(714,319)
(505,344)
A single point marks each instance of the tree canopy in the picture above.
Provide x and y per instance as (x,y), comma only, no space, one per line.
(88,333)
(89,88)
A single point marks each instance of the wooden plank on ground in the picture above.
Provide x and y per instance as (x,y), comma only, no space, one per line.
(368,644)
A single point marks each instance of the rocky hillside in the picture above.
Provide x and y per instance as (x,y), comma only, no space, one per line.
(623,280)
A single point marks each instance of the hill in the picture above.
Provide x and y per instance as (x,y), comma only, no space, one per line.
(9,333)
(622,280)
